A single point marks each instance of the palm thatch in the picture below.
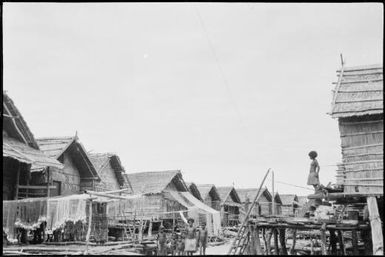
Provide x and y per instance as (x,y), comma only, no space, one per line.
(14,123)
(277,198)
(155,182)
(228,194)
(194,190)
(250,194)
(15,149)
(55,147)
(358,92)
(110,163)
(289,199)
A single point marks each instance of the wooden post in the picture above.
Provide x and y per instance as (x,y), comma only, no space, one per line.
(89,226)
(48,178)
(282,241)
(333,241)
(17,181)
(376,226)
(292,249)
(268,248)
(323,239)
(257,241)
(276,247)
(341,242)
(355,242)
(265,240)
(272,186)
(150,229)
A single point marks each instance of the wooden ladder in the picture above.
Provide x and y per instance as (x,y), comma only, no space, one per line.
(241,241)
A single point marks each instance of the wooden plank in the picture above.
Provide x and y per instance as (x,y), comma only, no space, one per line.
(363,68)
(375,223)
(362,133)
(35,187)
(359,101)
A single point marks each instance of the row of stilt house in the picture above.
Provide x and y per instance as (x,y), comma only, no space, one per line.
(50,182)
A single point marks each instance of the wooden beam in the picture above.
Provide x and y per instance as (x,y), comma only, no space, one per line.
(17,181)
(375,223)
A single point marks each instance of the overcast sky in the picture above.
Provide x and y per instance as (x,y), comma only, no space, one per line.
(221,91)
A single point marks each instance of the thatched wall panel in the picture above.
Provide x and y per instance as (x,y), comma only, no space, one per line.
(359,96)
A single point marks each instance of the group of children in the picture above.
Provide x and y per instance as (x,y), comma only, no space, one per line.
(185,243)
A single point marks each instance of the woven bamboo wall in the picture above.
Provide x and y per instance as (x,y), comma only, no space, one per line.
(362,154)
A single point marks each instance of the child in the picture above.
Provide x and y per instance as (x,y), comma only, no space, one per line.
(203,238)
(173,243)
(161,239)
(180,245)
(313,178)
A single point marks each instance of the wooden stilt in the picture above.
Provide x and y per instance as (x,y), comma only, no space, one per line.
(252,248)
(323,239)
(311,246)
(268,239)
(276,247)
(376,226)
(89,226)
(257,241)
(282,241)
(333,241)
(341,242)
(150,229)
(292,249)
(355,242)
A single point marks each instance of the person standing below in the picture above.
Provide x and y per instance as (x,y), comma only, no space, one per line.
(313,178)
(191,238)
(203,238)
(161,241)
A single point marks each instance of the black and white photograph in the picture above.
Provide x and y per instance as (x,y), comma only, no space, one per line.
(192,128)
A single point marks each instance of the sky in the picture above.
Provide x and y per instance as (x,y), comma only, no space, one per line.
(220,91)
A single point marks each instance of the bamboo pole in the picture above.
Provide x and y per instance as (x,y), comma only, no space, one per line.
(375,223)
(248,214)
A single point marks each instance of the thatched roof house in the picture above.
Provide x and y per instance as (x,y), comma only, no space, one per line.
(20,152)
(230,204)
(165,195)
(78,174)
(289,204)
(192,187)
(358,105)
(111,172)
(264,205)
(210,195)
(277,204)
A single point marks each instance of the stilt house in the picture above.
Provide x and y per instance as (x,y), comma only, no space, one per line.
(358,105)
(78,174)
(277,204)
(230,205)
(111,172)
(210,196)
(264,201)
(289,204)
(20,152)
(192,187)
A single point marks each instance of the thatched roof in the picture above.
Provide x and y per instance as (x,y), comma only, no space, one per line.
(155,182)
(15,149)
(101,161)
(277,198)
(289,199)
(14,123)
(226,192)
(360,92)
(251,193)
(206,189)
(56,146)
(18,140)
(194,190)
